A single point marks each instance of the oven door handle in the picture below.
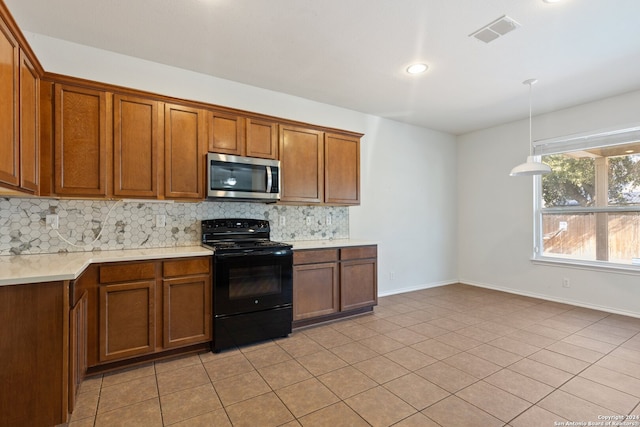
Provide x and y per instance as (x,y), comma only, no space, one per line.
(282,252)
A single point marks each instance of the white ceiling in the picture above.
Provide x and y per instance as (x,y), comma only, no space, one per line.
(352,53)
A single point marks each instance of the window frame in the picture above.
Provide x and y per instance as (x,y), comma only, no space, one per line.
(583,141)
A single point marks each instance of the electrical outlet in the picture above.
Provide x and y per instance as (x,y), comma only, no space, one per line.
(392,275)
(53,221)
(283,220)
(566,283)
(309,220)
(328,221)
(161,221)
(563,226)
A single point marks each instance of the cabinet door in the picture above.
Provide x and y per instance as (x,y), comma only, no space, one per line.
(315,290)
(186,311)
(9,150)
(358,284)
(80,141)
(127,320)
(29,129)
(77,347)
(184,154)
(136,135)
(342,170)
(226,133)
(302,165)
(262,139)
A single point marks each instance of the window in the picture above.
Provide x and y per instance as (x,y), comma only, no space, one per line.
(588,207)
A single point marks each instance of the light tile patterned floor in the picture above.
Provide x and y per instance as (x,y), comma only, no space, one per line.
(451,356)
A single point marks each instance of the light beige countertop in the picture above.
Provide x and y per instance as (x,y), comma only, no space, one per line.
(325,244)
(21,269)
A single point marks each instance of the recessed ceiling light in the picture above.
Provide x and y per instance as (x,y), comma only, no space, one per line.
(417,68)
(552,1)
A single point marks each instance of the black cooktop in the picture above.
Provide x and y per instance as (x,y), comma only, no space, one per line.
(238,234)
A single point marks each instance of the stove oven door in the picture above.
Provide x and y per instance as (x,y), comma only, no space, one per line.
(252,281)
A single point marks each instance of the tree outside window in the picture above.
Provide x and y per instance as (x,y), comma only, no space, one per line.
(590,204)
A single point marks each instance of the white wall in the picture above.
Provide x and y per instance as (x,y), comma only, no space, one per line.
(495,211)
(408,198)
(408,173)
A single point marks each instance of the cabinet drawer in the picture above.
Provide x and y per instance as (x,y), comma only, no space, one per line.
(315,256)
(186,267)
(359,252)
(129,272)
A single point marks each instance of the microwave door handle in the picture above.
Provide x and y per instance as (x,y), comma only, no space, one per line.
(269,179)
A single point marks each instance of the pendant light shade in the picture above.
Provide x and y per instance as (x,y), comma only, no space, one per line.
(531,166)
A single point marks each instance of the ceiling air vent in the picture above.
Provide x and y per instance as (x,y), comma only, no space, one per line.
(495,29)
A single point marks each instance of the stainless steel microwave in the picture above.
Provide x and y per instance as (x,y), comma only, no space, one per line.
(243,178)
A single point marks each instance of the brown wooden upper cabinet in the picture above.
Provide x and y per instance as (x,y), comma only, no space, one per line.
(29,125)
(125,146)
(137,137)
(226,133)
(81,144)
(319,167)
(184,152)
(342,169)
(301,165)
(97,143)
(9,57)
(18,116)
(262,138)
(242,136)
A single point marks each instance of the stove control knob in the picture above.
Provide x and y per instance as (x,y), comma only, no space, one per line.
(255,302)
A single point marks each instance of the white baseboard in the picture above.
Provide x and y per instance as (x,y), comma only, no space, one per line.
(554,299)
(416,288)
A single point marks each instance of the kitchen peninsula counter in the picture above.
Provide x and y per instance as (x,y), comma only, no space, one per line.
(38,268)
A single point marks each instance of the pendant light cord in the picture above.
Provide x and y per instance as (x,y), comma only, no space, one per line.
(530,82)
(530,134)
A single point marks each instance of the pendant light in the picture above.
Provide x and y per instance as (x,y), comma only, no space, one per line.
(531,166)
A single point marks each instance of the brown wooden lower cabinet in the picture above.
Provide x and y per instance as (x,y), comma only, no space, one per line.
(186,310)
(127,320)
(144,308)
(77,347)
(332,283)
(34,354)
(52,333)
(315,290)
(358,277)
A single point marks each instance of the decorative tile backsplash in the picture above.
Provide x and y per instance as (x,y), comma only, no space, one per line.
(131,225)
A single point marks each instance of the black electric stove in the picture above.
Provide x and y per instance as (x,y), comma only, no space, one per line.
(252,282)
(238,235)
